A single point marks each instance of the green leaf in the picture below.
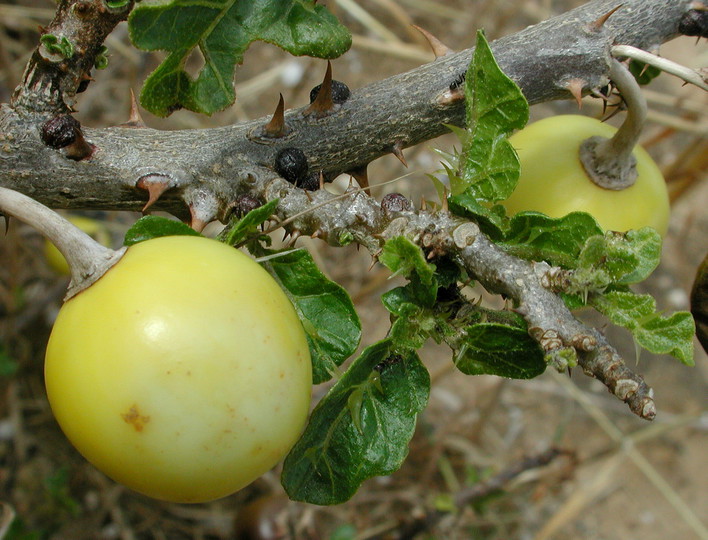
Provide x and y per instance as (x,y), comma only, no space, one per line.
(495,107)
(246,228)
(643,73)
(60,47)
(671,335)
(616,259)
(331,324)
(406,259)
(645,245)
(413,323)
(492,220)
(148,227)
(497,349)
(535,236)
(221,31)
(361,428)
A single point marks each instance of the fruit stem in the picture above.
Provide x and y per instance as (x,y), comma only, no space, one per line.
(609,162)
(88,260)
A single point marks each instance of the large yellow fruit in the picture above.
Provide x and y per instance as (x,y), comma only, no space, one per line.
(554,182)
(183,373)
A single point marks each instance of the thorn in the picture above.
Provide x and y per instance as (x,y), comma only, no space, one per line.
(84,81)
(155,189)
(374,260)
(445,204)
(575,87)
(439,48)
(597,25)
(135,120)
(202,208)
(423,204)
(293,238)
(197,224)
(322,181)
(397,151)
(570,372)
(285,235)
(323,103)
(276,127)
(361,176)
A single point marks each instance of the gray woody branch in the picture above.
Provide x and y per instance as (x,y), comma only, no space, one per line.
(205,171)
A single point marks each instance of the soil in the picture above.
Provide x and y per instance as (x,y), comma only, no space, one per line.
(610,475)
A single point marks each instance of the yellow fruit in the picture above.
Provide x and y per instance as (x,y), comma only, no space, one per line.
(554,182)
(183,373)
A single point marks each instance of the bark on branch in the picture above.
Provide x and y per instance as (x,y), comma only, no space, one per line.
(206,170)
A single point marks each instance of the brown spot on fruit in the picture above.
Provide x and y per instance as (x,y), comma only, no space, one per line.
(134,418)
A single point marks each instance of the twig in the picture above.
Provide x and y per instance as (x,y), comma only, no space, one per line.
(682,72)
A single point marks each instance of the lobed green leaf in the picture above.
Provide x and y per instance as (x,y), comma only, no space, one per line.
(671,335)
(221,31)
(495,107)
(616,259)
(361,428)
(535,236)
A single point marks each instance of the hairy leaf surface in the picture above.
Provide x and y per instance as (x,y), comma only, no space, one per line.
(361,428)
(495,349)
(495,107)
(660,335)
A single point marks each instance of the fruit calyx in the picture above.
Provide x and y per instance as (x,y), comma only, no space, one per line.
(609,163)
(88,260)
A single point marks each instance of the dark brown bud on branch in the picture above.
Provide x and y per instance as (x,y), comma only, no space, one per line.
(243,204)
(340,92)
(291,164)
(694,23)
(395,202)
(311,182)
(64,131)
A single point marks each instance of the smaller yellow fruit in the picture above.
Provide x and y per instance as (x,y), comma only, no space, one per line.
(553,180)
(95,229)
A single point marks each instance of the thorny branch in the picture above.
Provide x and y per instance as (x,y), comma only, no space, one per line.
(205,171)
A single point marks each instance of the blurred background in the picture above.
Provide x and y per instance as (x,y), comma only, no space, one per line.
(551,458)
